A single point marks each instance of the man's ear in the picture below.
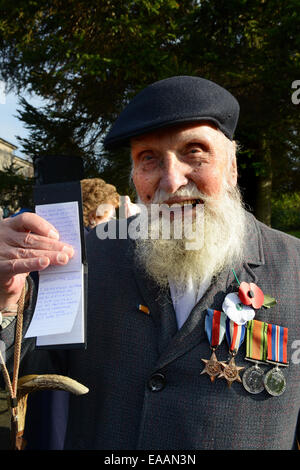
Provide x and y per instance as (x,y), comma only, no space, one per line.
(232,173)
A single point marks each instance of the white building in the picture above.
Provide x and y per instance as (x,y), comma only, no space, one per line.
(7,157)
(24,167)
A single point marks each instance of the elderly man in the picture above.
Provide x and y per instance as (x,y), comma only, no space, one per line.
(157,311)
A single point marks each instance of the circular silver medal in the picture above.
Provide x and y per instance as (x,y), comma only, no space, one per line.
(253,380)
(275,382)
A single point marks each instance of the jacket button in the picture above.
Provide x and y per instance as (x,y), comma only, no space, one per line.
(156,382)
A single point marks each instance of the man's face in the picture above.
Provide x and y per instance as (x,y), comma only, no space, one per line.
(189,164)
(169,159)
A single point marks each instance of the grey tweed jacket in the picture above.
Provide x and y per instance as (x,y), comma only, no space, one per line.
(146,390)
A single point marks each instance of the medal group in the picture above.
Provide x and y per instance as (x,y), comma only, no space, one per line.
(266,344)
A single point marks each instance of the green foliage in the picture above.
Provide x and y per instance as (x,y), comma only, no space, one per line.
(87,59)
(294,233)
(15,189)
(286,212)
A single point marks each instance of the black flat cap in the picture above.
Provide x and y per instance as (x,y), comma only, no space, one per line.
(175,100)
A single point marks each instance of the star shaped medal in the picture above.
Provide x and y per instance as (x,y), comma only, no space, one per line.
(230,371)
(212,366)
(235,335)
(215,331)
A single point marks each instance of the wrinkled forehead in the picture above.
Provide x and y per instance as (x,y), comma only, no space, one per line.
(205,131)
(168,138)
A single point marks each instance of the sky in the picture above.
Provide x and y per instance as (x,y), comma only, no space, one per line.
(10,125)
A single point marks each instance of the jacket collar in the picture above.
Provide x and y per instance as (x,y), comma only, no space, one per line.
(253,250)
(254,253)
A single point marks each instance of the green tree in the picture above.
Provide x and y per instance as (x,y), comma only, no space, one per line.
(16,190)
(88,59)
(252,47)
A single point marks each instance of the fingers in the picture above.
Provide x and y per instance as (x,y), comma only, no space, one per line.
(55,257)
(28,243)
(12,267)
(33,223)
(32,241)
(31,231)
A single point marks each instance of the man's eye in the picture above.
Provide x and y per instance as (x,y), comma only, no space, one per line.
(147,157)
(196,148)
(195,151)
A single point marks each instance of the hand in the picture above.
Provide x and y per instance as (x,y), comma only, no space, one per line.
(27,243)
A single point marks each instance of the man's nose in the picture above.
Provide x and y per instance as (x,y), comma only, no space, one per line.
(173,174)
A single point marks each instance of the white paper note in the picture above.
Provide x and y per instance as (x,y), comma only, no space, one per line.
(75,335)
(64,217)
(59,313)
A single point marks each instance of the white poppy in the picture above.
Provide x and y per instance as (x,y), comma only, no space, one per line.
(236,311)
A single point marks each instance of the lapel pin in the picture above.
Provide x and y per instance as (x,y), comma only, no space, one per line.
(144,309)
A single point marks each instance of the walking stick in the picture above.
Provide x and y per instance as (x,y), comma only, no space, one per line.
(19,389)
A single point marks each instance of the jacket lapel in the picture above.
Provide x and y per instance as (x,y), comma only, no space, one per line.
(160,306)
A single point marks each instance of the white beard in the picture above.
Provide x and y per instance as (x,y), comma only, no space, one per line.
(220,244)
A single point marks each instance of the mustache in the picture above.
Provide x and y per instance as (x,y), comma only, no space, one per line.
(190,191)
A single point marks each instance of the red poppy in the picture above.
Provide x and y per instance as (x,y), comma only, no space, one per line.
(251,294)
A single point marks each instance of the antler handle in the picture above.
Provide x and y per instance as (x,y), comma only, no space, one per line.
(35,383)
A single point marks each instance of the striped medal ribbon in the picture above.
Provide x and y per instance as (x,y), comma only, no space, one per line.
(235,335)
(215,326)
(256,351)
(277,340)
